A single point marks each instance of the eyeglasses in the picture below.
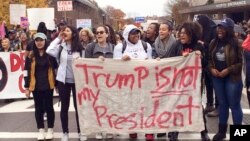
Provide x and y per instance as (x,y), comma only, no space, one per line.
(101,32)
(183,33)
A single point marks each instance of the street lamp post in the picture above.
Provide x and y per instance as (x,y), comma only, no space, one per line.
(103,19)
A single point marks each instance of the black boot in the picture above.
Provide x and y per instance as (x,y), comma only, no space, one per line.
(204,136)
(221,134)
(173,136)
(161,135)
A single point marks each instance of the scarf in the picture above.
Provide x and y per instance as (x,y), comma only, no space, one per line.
(163,49)
(246,43)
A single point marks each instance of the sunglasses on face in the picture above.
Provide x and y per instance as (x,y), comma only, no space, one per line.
(101,32)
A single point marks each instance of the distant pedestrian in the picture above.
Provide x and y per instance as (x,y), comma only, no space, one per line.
(86,36)
(5,45)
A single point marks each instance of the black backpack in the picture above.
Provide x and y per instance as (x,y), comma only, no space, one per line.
(144,44)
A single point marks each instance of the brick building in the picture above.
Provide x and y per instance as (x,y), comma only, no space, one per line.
(82,9)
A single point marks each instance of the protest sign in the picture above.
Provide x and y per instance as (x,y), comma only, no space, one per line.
(146,96)
(11,75)
(46,15)
(16,12)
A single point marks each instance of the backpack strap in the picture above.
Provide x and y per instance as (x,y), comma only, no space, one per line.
(124,45)
(144,44)
(92,47)
(59,54)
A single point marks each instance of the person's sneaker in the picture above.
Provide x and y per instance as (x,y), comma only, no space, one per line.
(204,136)
(149,137)
(109,136)
(173,136)
(82,137)
(98,136)
(214,113)
(41,134)
(209,109)
(161,135)
(133,136)
(50,134)
(65,137)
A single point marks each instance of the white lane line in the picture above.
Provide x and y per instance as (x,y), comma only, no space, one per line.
(28,135)
(23,106)
(17,106)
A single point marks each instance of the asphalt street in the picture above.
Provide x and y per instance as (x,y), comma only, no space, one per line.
(17,123)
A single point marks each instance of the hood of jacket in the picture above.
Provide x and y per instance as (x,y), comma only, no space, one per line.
(127,31)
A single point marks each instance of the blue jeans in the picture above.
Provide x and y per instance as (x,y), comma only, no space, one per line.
(229,94)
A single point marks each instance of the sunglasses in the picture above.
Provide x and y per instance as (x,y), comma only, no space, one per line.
(101,32)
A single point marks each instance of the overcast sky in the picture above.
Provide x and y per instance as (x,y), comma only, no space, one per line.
(137,8)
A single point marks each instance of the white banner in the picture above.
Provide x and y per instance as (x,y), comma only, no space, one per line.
(37,15)
(16,12)
(143,96)
(11,75)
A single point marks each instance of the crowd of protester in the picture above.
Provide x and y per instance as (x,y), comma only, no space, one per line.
(223,48)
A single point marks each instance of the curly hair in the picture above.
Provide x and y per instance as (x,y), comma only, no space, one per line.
(193,30)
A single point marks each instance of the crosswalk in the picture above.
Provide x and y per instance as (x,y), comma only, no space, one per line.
(58,135)
(27,106)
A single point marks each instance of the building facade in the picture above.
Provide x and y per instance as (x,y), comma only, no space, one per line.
(82,9)
(238,10)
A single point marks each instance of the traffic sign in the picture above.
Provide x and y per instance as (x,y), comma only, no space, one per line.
(139,19)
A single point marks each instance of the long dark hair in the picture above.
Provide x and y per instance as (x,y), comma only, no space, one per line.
(111,34)
(35,51)
(75,44)
(229,37)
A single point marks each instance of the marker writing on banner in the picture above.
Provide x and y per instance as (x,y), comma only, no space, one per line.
(17,63)
(163,119)
(120,80)
(181,78)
